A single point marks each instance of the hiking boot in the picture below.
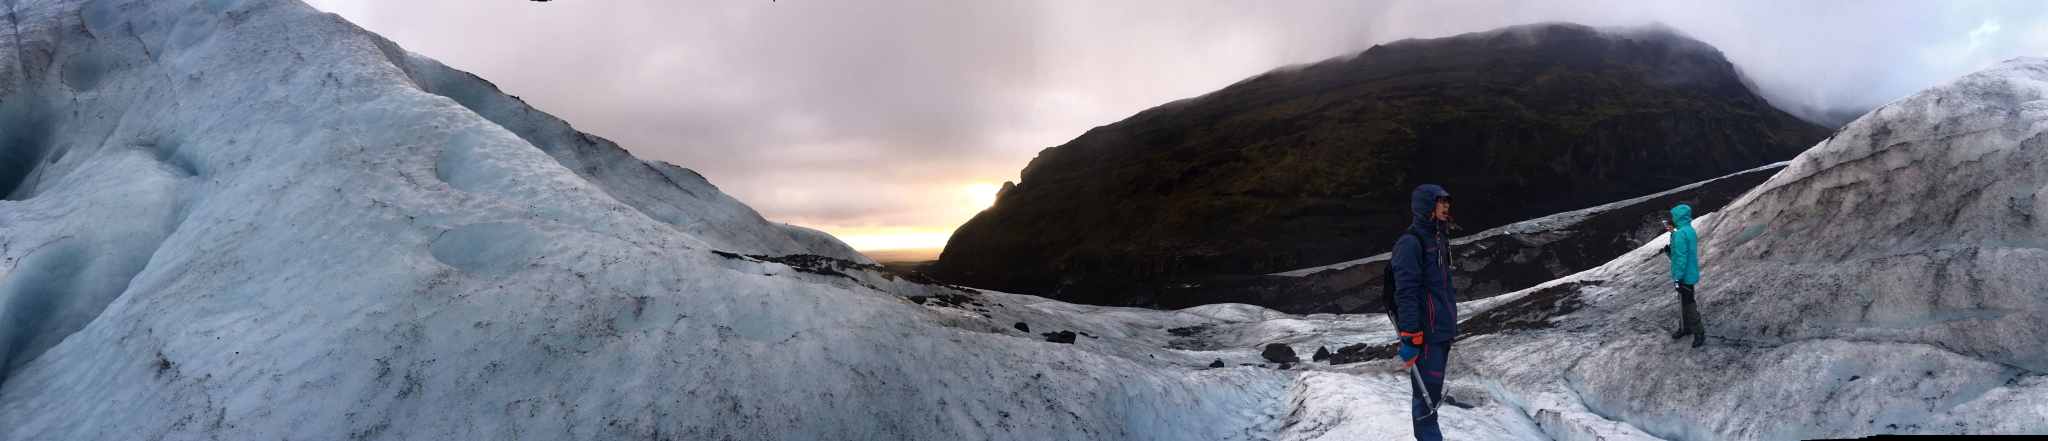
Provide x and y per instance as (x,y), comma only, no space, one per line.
(1681,333)
(1699,339)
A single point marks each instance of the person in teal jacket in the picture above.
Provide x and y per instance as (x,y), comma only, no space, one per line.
(1685,272)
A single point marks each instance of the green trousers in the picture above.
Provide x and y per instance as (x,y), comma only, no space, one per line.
(1692,310)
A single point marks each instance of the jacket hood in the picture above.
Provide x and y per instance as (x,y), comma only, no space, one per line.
(1681,216)
(1423,202)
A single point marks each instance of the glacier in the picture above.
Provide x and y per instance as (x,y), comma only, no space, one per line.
(248,219)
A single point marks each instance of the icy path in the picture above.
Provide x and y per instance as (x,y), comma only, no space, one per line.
(1366,400)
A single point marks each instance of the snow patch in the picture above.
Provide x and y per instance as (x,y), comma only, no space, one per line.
(1375,405)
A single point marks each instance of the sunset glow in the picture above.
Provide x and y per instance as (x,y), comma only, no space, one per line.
(868,238)
(897,241)
(984,195)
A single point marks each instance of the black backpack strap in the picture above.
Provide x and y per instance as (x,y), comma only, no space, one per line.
(1387,290)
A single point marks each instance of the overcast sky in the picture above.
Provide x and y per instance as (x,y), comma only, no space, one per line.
(871,119)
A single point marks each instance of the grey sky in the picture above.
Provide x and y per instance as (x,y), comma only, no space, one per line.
(872,116)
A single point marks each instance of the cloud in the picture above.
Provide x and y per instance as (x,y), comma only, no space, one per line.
(855,116)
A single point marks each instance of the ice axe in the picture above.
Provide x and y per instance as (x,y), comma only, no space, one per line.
(1417,373)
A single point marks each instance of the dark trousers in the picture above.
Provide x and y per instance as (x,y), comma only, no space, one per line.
(1431,365)
(1691,310)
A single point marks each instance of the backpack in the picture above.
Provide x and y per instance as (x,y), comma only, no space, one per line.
(1387,283)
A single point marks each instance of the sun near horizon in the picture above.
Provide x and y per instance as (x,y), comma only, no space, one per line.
(909,243)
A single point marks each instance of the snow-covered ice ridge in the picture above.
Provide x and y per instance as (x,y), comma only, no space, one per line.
(1560,221)
(250,220)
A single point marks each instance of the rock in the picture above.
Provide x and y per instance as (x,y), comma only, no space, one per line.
(1322,353)
(1279,353)
(1216,364)
(1284,366)
(1362,352)
(1022,327)
(1453,401)
(1060,337)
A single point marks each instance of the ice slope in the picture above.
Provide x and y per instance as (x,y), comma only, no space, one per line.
(664,192)
(263,222)
(245,219)
(1890,280)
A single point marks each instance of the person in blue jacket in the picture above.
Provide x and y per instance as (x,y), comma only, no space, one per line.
(1426,303)
(1685,272)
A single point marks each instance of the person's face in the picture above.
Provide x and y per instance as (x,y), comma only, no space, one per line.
(1443,209)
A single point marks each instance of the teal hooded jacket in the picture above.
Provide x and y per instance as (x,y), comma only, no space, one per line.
(1685,247)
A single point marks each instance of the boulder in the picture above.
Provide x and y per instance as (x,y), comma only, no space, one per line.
(1279,353)
(1060,337)
(1362,352)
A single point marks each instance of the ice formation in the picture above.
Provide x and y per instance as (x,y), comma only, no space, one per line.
(246,219)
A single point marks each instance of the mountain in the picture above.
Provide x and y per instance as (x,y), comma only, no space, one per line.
(1312,165)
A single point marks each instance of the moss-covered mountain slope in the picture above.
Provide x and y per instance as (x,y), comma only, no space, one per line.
(1311,165)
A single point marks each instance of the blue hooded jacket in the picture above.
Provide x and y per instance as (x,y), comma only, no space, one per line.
(1422,278)
(1685,247)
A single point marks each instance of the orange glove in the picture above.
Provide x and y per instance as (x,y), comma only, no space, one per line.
(1413,338)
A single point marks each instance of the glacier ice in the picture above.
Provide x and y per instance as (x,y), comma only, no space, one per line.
(1887,281)
(247,219)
